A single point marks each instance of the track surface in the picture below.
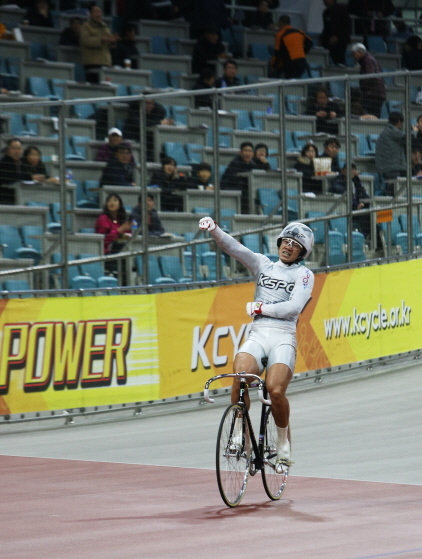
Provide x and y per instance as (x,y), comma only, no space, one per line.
(145,487)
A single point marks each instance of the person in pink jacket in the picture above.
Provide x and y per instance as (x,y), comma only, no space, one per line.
(114,224)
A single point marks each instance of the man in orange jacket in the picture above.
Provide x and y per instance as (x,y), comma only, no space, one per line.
(290,49)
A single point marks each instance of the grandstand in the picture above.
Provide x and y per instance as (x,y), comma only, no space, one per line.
(49,104)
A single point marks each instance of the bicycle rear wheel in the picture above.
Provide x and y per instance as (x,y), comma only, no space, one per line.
(232,465)
(274,484)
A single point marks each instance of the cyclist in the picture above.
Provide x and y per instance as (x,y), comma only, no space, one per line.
(283,288)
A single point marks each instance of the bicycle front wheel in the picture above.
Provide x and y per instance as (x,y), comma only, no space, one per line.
(274,484)
(232,460)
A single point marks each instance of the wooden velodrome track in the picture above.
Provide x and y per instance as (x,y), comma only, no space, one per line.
(145,487)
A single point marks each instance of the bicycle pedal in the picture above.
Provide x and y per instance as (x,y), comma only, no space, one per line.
(282,466)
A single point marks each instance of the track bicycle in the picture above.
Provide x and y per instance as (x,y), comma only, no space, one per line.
(236,460)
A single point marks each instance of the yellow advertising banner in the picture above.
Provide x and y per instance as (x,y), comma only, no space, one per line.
(92,351)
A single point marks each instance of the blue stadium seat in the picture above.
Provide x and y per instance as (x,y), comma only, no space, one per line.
(358,247)
(336,254)
(260,51)
(177,151)
(194,152)
(171,266)
(16,285)
(159,79)
(317,227)
(209,261)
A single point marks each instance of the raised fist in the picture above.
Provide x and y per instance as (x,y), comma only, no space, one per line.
(207,224)
(252,309)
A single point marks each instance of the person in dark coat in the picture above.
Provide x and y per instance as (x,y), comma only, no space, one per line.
(372,89)
(11,170)
(260,157)
(126,48)
(170,181)
(305,165)
(155,227)
(201,177)
(242,163)
(69,37)
(155,114)
(39,15)
(412,53)
(208,48)
(34,168)
(331,149)
(326,110)
(229,77)
(205,81)
(119,171)
(339,186)
(261,18)
(336,31)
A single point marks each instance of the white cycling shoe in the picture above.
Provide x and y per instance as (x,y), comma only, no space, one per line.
(283,462)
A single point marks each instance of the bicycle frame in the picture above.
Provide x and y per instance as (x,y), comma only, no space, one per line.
(237,458)
(258,447)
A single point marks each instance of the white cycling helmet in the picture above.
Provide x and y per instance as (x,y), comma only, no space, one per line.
(300,233)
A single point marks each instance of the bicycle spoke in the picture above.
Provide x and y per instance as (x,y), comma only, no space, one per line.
(232,464)
(274,484)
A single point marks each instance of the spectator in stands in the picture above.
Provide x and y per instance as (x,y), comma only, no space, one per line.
(242,163)
(113,223)
(336,31)
(372,89)
(119,171)
(39,14)
(326,110)
(229,77)
(11,170)
(417,133)
(206,13)
(339,186)
(305,165)
(108,150)
(96,41)
(201,178)
(170,181)
(155,114)
(331,149)
(155,227)
(34,168)
(412,53)
(262,18)
(126,48)
(417,161)
(260,157)
(206,81)
(390,158)
(70,36)
(207,50)
(290,48)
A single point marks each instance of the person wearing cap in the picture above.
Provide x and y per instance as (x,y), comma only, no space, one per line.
(107,150)
(119,171)
(283,288)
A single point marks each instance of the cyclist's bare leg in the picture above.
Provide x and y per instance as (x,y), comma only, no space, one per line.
(243,362)
(277,380)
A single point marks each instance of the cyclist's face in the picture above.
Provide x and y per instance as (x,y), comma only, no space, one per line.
(289,250)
